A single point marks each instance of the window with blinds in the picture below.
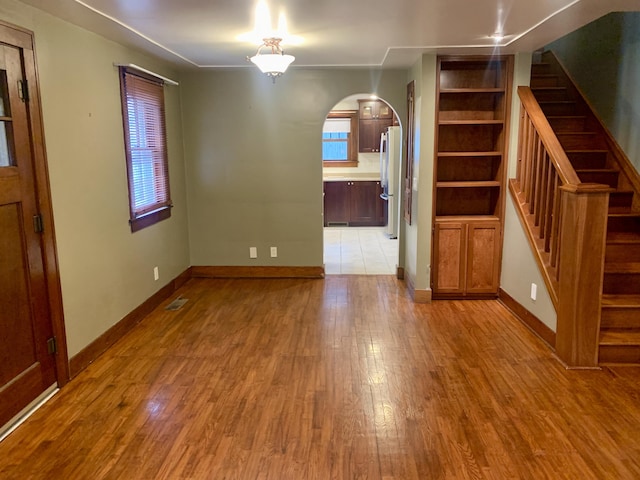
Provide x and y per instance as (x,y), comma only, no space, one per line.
(339,139)
(145,147)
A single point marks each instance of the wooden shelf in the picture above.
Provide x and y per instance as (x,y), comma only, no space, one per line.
(466,218)
(471,122)
(472,90)
(468,184)
(470,154)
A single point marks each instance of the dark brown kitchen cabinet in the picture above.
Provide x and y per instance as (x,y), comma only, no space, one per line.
(369,134)
(374,118)
(374,109)
(354,203)
(336,203)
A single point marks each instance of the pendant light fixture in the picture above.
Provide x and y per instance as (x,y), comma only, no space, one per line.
(274,63)
(270,58)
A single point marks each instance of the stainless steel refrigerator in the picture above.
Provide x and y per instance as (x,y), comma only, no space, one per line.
(390,155)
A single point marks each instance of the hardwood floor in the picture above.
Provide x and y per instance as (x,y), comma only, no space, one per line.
(338,378)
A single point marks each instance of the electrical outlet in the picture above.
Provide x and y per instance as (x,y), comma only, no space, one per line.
(274,252)
(534,291)
(156,273)
(253,252)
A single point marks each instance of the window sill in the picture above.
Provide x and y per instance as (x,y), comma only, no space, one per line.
(150,218)
(339,163)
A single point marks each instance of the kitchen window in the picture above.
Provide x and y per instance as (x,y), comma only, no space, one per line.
(339,139)
(145,148)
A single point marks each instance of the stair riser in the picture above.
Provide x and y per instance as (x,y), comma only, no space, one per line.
(559,108)
(619,354)
(584,160)
(607,178)
(622,252)
(620,318)
(621,199)
(623,224)
(567,124)
(575,141)
(544,81)
(540,69)
(544,95)
(621,283)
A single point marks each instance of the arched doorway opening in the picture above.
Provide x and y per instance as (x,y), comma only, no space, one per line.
(361,152)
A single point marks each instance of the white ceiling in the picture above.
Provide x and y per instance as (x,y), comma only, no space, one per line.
(336,33)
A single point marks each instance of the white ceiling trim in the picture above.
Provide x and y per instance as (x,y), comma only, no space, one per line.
(136,32)
(541,22)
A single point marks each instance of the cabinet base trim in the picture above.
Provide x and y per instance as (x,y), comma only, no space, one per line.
(418,295)
(256,272)
(528,319)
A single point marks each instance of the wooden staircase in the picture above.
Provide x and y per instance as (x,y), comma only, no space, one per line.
(596,158)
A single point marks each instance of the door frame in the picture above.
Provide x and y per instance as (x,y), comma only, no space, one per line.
(24,40)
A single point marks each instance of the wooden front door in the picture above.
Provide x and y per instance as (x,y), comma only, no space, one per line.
(27,367)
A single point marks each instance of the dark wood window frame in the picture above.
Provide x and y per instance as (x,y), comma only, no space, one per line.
(352,160)
(143,96)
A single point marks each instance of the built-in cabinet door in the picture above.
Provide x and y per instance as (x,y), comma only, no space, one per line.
(364,203)
(336,203)
(483,245)
(449,268)
(466,257)
(369,134)
(370,109)
(355,203)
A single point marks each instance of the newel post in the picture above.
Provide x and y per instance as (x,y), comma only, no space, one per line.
(583,230)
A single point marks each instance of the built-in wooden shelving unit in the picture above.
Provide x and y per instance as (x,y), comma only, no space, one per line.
(472,115)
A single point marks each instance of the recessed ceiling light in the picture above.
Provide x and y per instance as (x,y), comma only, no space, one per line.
(497,36)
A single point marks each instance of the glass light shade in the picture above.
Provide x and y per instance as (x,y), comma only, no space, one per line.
(272,63)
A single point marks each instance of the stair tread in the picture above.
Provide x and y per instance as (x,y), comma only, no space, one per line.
(622,192)
(623,237)
(620,301)
(549,88)
(594,170)
(577,132)
(622,267)
(617,208)
(620,336)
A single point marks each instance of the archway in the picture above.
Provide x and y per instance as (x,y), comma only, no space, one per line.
(361,186)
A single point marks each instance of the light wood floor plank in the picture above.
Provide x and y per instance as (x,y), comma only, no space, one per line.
(338,378)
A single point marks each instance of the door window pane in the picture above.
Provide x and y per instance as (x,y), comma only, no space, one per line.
(6,132)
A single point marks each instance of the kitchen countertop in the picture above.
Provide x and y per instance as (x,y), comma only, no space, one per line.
(362,177)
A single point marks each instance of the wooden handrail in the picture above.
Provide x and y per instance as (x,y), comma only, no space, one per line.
(565,221)
(565,170)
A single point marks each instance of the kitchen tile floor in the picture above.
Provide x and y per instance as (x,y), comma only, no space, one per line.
(359,251)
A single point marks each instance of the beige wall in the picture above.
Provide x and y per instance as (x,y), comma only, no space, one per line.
(254,160)
(603,58)
(106,271)
(519,268)
(418,235)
